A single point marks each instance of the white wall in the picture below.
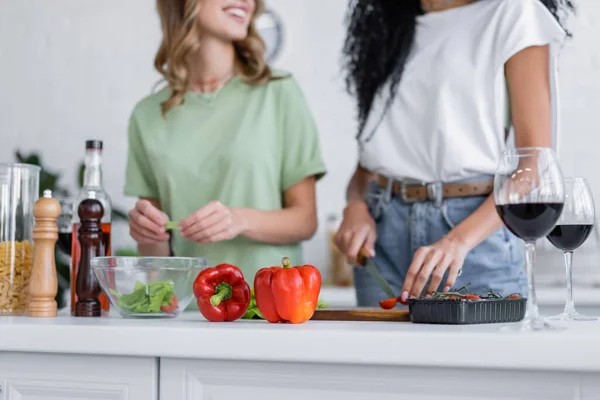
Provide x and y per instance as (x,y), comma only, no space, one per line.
(73,69)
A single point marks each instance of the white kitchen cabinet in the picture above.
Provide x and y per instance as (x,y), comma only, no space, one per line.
(225,380)
(36,376)
(114,358)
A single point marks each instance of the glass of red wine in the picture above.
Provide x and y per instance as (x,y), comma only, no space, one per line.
(571,231)
(529,196)
(64,225)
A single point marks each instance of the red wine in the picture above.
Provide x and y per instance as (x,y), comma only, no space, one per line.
(64,242)
(569,237)
(530,221)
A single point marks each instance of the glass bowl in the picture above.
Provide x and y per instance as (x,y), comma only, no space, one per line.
(148,287)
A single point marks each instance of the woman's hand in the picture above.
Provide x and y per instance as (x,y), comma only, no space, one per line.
(434,260)
(146,223)
(212,223)
(357,230)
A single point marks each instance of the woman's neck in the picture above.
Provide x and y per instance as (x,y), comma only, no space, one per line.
(441,5)
(211,65)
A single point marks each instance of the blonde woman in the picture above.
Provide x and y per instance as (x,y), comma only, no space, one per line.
(229,148)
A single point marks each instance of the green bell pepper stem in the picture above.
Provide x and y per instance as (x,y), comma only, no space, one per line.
(223,292)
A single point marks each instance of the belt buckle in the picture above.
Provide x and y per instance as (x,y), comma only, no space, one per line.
(403,195)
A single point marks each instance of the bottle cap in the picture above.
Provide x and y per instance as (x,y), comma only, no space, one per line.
(47,194)
(93,145)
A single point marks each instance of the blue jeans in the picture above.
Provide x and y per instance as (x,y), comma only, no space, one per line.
(496,264)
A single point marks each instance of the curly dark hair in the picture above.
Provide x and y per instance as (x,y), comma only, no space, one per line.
(379,38)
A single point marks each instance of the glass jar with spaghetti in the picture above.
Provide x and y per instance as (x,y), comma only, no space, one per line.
(19,190)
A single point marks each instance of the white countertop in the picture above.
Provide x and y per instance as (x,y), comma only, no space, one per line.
(576,348)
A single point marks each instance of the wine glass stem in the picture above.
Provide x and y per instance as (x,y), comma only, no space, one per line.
(532,308)
(569,305)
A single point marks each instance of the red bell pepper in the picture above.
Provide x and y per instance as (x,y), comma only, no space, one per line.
(222,293)
(287,294)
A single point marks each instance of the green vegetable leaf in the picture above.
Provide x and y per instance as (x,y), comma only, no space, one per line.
(249,314)
(171,225)
(147,298)
(157,298)
(322,304)
(139,285)
(253,311)
(126,253)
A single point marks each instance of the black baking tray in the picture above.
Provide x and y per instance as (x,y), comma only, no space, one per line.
(464,312)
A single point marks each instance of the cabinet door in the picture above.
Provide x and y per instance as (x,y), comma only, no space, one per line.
(25,376)
(226,380)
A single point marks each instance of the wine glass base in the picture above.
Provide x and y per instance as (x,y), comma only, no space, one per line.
(571,316)
(530,325)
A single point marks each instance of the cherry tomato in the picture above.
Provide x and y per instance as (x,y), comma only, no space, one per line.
(452,298)
(388,304)
(514,296)
(172,306)
(472,297)
(403,302)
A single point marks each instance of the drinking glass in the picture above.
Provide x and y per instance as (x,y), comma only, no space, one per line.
(571,231)
(64,224)
(529,196)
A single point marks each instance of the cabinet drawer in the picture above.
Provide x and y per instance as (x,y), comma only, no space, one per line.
(69,377)
(226,380)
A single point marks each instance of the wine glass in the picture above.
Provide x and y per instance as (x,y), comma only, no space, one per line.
(64,224)
(571,231)
(529,196)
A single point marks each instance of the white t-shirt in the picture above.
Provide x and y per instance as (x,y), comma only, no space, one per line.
(447,120)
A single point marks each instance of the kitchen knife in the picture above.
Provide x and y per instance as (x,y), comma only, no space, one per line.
(365,261)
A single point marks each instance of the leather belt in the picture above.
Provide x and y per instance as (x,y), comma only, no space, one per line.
(413,192)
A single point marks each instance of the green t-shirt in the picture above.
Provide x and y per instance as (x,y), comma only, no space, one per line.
(242,145)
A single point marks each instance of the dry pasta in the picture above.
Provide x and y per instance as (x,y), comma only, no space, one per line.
(16,263)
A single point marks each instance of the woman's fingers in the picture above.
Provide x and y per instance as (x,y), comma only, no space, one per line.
(218,237)
(145,236)
(351,241)
(370,243)
(197,227)
(434,257)
(142,221)
(207,235)
(413,271)
(224,234)
(146,223)
(455,269)
(152,213)
(438,273)
(356,242)
(210,208)
(357,230)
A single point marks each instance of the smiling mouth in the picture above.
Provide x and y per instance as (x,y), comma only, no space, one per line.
(238,13)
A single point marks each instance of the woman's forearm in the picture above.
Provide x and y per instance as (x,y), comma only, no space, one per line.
(477,226)
(358,185)
(527,76)
(290,225)
(154,250)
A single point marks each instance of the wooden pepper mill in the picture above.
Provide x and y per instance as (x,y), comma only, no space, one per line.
(90,237)
(43,284)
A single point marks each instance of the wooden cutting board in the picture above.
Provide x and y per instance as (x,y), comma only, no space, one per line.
(361,314)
